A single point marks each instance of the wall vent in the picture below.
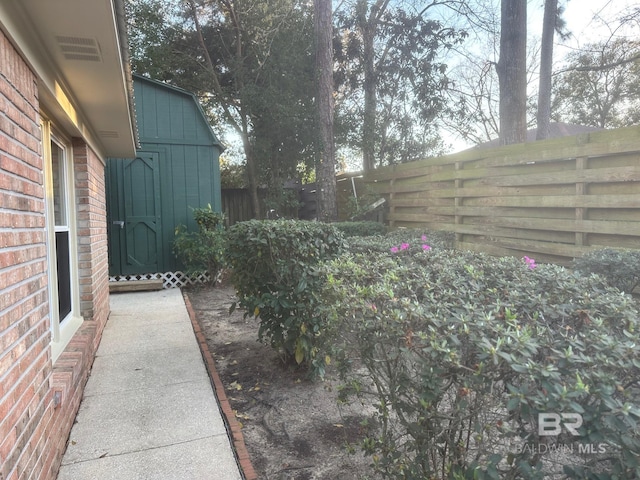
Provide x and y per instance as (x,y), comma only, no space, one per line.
(108,134)
(79,48)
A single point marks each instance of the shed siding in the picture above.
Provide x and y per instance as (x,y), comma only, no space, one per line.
(166,115)
(171,124)
(189,178)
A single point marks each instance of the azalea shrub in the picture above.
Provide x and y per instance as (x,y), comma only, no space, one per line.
(456,356)
(202,250)
(620,267)
(361,228)
(275,271)
(408,241)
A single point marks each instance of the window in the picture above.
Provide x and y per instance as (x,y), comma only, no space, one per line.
(61,239)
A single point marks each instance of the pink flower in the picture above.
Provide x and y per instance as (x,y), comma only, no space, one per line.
(424,238)
(394,249)
(531,263)
(426,248)
(404,246)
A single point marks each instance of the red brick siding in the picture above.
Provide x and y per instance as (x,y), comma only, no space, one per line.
(92,232)
(71,370)
(25,363)
(33,428)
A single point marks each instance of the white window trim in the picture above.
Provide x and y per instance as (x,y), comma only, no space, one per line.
(62,330)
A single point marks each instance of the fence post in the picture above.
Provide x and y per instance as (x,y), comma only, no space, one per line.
(392,204)
(458,219)
(581,191)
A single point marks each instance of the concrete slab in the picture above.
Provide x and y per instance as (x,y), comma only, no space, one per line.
(141,302)
(149,410)
(144,369)
(202,459)
(131,337)
(144,318)
(122,422)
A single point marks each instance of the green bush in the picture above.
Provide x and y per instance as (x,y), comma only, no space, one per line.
(361,229)
(621,268)
(202,250)
(457,354)
(275,273)
(413,239)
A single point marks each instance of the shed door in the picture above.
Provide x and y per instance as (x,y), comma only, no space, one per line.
(135,221)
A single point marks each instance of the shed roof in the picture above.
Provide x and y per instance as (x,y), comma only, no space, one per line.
(167,113)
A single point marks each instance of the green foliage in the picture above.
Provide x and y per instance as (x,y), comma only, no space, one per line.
(600,85)
(232,175)
(261,81)
(414,238)
(361,229)
(282,202)
(152,38)
(456,353)
(275,273)
(621,268)
(357,208)
(202,250)
(396,52)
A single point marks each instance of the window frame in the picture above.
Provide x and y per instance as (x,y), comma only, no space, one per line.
(62,329)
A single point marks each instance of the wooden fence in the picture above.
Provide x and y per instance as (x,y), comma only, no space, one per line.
(553,200)
(236,202)
(237,206)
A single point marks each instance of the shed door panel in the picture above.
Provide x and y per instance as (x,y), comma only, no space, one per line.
(142,214)
(134,211)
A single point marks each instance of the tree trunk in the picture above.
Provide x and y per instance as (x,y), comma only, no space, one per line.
(512,72)
(243,127)
(326,170)
(368,20)
(367,31)
(252,177)
(546,64)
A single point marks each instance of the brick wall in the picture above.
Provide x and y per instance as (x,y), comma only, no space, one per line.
(25,363)
(71,370)
(92,232)
(38,401)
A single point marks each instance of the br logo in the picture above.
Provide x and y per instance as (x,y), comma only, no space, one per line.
(550,424)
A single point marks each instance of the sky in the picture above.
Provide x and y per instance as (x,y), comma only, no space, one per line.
(587,19)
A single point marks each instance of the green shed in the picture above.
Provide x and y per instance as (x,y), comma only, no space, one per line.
(175,170)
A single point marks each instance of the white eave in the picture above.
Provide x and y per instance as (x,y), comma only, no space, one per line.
(75,48)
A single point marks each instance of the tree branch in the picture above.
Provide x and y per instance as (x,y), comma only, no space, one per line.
(210,67)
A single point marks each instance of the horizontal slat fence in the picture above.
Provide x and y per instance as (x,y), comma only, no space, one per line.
(553,199)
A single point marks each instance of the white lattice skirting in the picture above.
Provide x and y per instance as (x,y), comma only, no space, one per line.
(169,279)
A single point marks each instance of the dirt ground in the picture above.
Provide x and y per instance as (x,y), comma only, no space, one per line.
(293,428)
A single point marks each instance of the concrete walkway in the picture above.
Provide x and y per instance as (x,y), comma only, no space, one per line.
(149,411)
